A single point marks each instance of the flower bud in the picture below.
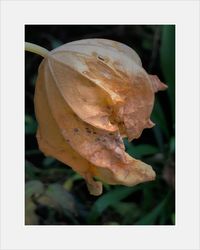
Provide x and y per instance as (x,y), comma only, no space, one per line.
(89,95)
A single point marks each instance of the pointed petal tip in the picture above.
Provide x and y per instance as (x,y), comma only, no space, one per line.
(157,84)
(150,124)
(147,172)
(141,172)
(162,86)
(152,176)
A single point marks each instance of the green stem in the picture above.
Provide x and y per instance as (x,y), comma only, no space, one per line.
(31,47)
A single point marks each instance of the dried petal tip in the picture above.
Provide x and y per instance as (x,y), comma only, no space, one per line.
(157,84)
(94,187)
(150,124)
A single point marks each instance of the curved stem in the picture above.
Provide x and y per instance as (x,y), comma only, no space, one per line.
(31,47)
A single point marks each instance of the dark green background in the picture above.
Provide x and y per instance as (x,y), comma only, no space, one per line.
(54,193)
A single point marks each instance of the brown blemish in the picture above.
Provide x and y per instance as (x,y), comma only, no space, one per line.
(108,107)
(76,130)
(101,58)
(88,130)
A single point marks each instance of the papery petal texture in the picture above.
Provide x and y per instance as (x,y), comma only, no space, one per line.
(89,95)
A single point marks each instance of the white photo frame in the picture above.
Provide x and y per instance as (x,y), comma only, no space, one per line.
(185,234)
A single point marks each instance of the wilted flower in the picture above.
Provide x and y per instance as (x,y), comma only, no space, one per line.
(89,95)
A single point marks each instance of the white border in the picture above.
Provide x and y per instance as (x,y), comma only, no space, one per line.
(185,235)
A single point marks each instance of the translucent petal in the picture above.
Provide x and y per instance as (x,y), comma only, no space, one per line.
(86,99)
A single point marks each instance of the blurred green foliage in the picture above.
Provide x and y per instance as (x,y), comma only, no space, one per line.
(54,193)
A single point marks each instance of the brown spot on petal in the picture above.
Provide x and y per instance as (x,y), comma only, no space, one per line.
(101,58)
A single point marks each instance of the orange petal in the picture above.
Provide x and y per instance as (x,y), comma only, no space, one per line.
(52,143)
(116,69)
(86,99)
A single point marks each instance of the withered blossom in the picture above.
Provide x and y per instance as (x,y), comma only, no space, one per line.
(89,95)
